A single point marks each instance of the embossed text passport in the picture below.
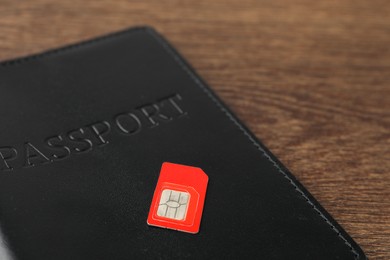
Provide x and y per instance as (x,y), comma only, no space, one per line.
(85,132)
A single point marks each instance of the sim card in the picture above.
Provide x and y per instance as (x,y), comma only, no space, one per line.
(178,198)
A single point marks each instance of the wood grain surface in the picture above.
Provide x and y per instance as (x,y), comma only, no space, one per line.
(309,78)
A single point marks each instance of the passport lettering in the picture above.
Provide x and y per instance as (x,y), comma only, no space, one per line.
(84,139)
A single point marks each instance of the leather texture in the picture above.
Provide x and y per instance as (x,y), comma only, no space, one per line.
(85,130)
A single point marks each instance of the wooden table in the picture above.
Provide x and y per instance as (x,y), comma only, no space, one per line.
(310,79)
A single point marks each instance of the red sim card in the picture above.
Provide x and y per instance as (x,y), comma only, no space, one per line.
(178,198)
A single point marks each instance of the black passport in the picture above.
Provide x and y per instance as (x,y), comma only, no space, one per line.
(85,130)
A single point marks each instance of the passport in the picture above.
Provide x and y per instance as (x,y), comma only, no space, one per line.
(85,131)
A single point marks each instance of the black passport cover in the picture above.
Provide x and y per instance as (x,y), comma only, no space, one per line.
(84,132)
